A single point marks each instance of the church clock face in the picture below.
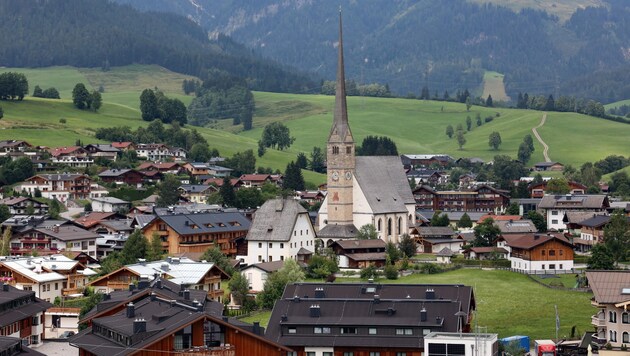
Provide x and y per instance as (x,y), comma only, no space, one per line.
(335,176)
(348,175)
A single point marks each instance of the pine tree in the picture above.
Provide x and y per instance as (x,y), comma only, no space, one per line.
(155,249)
(227,192)
(489,102)
(5,248)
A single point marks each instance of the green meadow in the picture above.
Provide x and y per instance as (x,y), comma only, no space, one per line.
(508,303)
(416,126)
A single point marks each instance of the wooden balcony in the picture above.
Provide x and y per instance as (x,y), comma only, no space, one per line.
(227,350)
(213,294)
(597,321)
(69,291)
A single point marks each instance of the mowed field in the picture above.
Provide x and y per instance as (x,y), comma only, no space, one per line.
(493,85)
(509,303)
(416,126)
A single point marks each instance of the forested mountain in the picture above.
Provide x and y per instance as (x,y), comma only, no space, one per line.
(446,44)
(95,33)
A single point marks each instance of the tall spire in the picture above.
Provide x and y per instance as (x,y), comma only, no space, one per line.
(340,116)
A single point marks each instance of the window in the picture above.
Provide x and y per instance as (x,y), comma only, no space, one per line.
(372,331)
(543,252)
(613,336)
(612,316)
(310,353)
(561,266)
(543,266)
(561,252)
(335,150)
(401,354)
(270,258)
(348,330)
(259,258)
(625,337)
(281,258)
(555,222)
(399,226)
(292,331)
(404,331)
(624,318)
(375,353)
(281,245)
(552,252)
(389,227)
(348,354)
(348,149)
(56,286)
(327,354)
(552,266)
(426,332)
(554,212)
(271,245)
(379,224)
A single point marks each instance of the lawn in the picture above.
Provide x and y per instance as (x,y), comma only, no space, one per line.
(261,317)
(509,303)
(564,280)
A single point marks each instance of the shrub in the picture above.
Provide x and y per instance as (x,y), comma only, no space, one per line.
(391,272)
(430,268)
(369,272)
(62,121)
(488,119)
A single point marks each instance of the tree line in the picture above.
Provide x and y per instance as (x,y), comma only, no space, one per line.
(13,86)
(154,105)
(174,135)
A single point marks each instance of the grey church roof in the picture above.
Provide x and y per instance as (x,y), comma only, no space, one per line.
(384,183)
(275,219)
(338,231)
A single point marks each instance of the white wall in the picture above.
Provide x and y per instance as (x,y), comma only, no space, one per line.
(525,265)
(256,278)
(554,219)
(302,235)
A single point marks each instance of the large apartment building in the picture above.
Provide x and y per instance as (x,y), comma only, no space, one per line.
(482,198)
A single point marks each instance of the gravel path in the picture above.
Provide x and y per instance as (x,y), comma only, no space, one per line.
(535,131)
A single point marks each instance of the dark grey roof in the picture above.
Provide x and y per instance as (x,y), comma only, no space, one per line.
(104,147)
(367,256)
(304,251)
(114,172)
(275,220)
(383,182)
(597,221)
(206,222)
(12,314)
(435,231)
(338,231)
(445,252)
(360,244)
(195,188)
(433,241)
(355,305)
(141,220)
(7,342)
(118,225)
(546,164)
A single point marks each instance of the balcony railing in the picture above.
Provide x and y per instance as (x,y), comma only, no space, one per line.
(597,321)
(226,350)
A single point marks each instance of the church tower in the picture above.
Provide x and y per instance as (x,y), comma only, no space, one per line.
(340,152)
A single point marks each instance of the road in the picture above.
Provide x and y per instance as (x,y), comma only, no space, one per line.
(535,131)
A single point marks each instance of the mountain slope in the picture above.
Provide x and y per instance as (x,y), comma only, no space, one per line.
(453,41)
(95,33)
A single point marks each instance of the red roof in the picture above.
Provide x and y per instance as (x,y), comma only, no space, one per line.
(255,177)
(529,241)
(219,182)
(65,150)
(121,144)
(92,219)
(499,218)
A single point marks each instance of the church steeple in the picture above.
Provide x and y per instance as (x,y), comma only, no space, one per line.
(340,126)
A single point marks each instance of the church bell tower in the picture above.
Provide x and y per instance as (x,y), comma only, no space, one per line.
(340,152)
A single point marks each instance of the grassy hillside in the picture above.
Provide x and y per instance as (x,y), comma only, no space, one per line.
(617,104)
(561,8)
(493,85)
(416,126)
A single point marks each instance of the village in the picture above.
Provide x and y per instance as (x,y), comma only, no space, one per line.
(157,273)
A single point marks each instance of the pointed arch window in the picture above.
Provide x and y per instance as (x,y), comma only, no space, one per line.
(380,225)
(389,227)
(398,228)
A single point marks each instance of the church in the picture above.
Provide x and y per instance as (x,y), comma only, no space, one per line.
(361,189)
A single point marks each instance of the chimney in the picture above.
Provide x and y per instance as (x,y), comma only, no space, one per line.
(5,287)
(164,267)
(536,237)
(284,317)
(131,310)
(315,311)
(107,297)
(143,283)
(139,326)
(186,294)
(153,297)
(296,299)
(319,292)
(257,328)
(370,280)
(158,284)
(142,261)
(391,311)
(423,314)
(132,287)
(377,298)
(430,293)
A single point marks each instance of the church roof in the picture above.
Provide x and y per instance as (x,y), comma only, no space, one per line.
(338,231)
(384,183)
(340,116)
(275,220)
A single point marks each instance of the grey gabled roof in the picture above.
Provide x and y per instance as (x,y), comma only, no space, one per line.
(516,227)
(591,201)
(188,224)
(275,219)
(435,231)
(348,231)
(384,183)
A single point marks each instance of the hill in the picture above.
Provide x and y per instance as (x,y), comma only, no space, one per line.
(102,34)
(446,45)
(416,126)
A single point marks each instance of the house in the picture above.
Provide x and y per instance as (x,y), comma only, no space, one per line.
(162,320)
(255,180)
(62,187)
(280,230)
(428,176)
(91,219)
(480,198)
(218,182)
(122,176)
(8,146)
(48,276)
(204,276)
(219,171)
(53,236)
(591,232)
(311,197)
(476,344)
(196,168)
(434,245)
(444,256)
(257,274)
(124,146)
(190,232)
(611,295)
(536,253)
(110,205)
(548,166)
(486,253)
(423,217)
(22,315)
(555,207)
(538,190)
(179,153)
(154,151)
(108,152)
(58,320)
(72,156)
(367,318)
(426,160)
(360,253)
(196,193)
(435,232)
(164,167)
(21,205)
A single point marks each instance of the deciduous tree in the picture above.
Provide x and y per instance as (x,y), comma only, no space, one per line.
(367,232)
(494,140)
